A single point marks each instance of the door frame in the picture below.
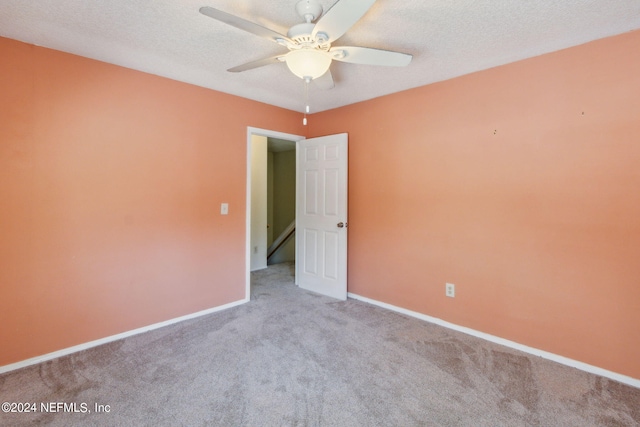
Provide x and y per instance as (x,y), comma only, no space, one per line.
(269,134)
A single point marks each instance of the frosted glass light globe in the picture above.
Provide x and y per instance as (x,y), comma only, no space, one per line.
(308,63)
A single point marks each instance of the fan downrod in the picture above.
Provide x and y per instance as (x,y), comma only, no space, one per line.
(309,10)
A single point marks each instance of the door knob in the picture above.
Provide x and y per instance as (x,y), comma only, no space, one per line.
(341,225)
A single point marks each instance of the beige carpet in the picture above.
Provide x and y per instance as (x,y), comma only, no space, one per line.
(292,358)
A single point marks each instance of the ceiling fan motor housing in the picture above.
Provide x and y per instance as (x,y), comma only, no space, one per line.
(301,34)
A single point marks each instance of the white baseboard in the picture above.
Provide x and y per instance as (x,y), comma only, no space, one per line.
(80,347)
(511,344)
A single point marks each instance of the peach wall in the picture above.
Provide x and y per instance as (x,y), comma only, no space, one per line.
(520,185)
(110,188)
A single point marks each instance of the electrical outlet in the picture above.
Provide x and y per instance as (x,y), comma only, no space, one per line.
(450,290)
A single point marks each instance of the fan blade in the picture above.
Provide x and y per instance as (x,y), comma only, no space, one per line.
(259,63)
(245,25)
(325,81)
(369,56)
(340,17)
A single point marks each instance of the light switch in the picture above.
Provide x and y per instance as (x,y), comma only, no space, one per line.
(224,209)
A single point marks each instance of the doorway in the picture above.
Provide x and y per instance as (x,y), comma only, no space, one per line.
(262,227)
(281,201)
(321,210)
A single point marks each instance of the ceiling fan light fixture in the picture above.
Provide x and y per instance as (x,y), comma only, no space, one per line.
(308,63)
(310,52)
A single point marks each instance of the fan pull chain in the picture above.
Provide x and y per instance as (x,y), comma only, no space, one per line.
(306,99)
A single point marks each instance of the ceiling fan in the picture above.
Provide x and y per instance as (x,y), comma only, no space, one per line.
(310,51)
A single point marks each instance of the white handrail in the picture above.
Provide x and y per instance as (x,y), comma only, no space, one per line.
(281,239)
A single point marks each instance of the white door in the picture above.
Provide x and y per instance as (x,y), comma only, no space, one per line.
(321,215)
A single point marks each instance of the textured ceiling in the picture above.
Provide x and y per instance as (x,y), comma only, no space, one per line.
(447,38)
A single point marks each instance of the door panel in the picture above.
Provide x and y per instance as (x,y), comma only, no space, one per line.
(321,242)
(310,252)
